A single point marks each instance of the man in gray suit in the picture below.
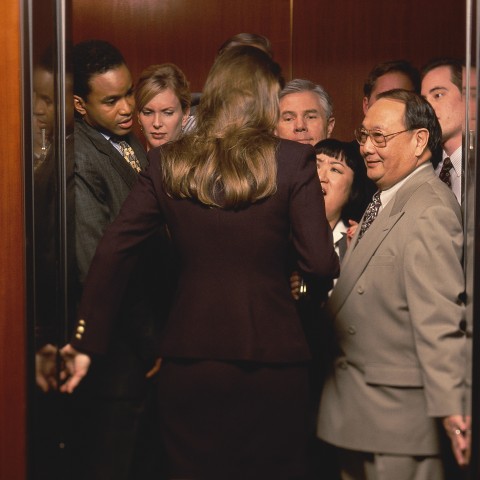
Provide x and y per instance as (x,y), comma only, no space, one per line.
(399,368)
(104,109)
(112,408)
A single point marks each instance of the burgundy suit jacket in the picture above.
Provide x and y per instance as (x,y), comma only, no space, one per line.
(233,299)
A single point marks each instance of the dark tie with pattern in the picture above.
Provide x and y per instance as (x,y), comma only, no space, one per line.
(370,214)
(129,155)
(444,175)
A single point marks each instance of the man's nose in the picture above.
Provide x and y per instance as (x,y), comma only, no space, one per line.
(300,124)
(126,106)
(39,106)
(368,146)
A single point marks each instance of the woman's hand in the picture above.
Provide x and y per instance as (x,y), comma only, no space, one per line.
(351,231)
(76,366)
(46,367)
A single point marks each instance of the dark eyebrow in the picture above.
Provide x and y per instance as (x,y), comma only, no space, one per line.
(110,98)
(434,89)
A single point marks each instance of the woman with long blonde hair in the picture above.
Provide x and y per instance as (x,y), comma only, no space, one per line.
(233,387)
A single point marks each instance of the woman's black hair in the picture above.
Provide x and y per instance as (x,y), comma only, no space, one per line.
(362,187)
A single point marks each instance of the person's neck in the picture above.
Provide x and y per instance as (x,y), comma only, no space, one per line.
(452,144)
(333,222)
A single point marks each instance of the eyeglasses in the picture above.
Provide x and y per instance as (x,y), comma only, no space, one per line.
(377,138)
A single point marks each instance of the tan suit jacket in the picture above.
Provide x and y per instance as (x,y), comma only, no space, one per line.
(397,317)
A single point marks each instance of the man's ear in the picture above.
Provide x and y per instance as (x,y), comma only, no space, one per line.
(365,105)
(79,105)
(330,125)
(421,137)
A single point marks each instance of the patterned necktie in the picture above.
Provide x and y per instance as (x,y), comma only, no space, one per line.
(444,175)
(370,214)
(129,155)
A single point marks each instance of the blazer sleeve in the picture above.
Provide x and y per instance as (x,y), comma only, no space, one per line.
(311,234)
(434,285)
(116,256)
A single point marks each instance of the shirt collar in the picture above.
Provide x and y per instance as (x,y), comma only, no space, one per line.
(339,231)
(387,195)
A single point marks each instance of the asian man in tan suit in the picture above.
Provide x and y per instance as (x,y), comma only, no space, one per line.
(399,369)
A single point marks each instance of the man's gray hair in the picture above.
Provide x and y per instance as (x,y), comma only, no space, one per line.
(300,85)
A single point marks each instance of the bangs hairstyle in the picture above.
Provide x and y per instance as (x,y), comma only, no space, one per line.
(229,160)
(157,78)
(362,187)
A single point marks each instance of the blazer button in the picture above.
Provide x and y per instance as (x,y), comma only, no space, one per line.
(360,290)
(78,336)
(82,322)
(352,330)
(343,364)
(80,329)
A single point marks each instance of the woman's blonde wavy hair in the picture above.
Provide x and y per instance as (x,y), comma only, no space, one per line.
(229,160)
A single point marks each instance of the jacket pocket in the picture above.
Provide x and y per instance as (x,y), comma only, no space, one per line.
(393,376)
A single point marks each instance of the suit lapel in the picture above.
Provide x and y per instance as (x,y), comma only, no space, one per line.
(118,163)
(358,257)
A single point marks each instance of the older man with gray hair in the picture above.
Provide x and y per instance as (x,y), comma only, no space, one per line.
(306,112)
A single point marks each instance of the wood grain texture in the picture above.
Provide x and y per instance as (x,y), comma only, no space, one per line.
(337,43)
(185,32)
(332,43)
(12,294)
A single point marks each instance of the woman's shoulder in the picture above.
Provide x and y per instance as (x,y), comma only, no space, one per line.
(294,155)
(289,148)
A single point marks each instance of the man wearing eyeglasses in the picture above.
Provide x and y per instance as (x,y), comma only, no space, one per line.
(399,370)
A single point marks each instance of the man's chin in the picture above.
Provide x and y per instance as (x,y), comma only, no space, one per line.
(121,132)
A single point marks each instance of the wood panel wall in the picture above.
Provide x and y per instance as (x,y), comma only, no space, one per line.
(347,38)
(12,292)
(185,32)
(332,43)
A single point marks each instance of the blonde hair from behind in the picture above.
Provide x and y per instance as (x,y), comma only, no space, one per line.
(229,161)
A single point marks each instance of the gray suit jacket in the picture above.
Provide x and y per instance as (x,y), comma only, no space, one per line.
(397,315)
(103,179)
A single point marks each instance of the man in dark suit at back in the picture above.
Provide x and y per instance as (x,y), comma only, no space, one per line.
(111,410)
(442,86)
